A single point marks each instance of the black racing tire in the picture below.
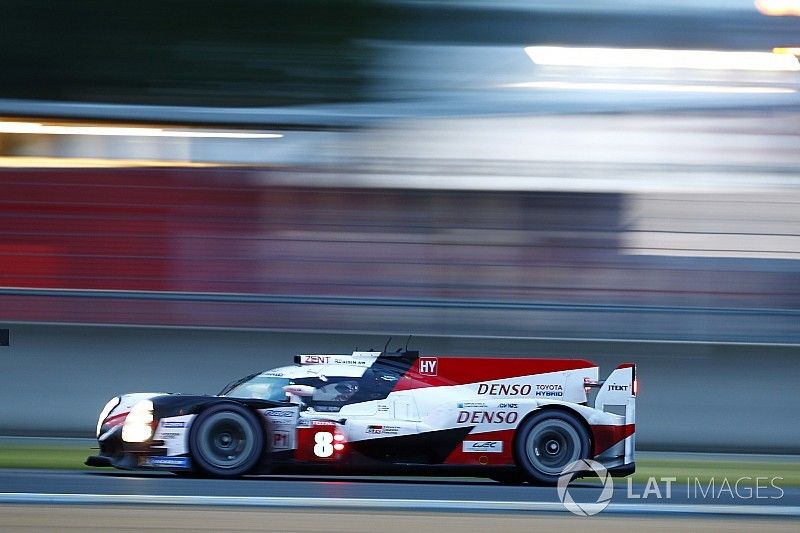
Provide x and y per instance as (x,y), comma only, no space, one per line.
(226,440)
(549,441)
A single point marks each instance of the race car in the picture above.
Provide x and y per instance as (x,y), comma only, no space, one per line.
(514,420)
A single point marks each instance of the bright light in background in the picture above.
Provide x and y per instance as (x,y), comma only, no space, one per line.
(648,87)
(126,131)
(778,8)
(663,59)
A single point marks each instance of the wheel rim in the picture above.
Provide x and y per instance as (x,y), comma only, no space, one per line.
(226,440)
(552,445)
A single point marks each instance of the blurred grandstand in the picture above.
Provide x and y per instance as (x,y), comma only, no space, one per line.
(583,170)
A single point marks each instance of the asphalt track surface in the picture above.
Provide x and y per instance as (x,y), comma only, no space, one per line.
(359,493)
(133,518)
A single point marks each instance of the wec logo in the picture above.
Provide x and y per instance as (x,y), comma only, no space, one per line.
(482,446)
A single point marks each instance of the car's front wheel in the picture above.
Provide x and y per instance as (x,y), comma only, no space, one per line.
(226,440)
(548,442)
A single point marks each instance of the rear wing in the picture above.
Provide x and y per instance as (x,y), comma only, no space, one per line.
(617,395)
(618,392)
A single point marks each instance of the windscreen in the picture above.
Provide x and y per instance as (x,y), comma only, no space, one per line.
(261,387)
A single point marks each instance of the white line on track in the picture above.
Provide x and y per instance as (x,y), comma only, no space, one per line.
(389,503)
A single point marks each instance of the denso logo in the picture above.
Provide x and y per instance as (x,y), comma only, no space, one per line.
(428,366)
(514,389)
(487,417)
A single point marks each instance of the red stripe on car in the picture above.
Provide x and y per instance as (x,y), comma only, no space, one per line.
(607,436)
(443,371)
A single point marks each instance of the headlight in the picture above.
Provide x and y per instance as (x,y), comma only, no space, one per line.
(112,403)
(138,425)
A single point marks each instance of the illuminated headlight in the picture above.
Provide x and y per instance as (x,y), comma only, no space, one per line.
(138,426)
(112,403)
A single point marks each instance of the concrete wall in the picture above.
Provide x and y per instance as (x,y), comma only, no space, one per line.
(54,379)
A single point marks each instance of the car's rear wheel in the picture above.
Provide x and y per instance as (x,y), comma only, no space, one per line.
(548,442)
(226,440)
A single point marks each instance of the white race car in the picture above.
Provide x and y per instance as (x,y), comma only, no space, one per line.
(510,419)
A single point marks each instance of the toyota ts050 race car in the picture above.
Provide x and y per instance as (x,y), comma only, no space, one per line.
(508,419)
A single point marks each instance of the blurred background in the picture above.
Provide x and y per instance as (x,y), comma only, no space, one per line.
(196,190)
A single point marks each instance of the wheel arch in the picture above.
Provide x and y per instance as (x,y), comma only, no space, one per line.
(233,401)
(553,408)
(228,402)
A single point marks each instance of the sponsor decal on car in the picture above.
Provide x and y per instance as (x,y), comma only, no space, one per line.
(277,413)
(327,408)
(166,462)
(471,405)
(383,408)
(385,430)
(487,417)
(507,406)
(174,424)
(169,435)
(504,389)
(333,360)
(355,362)
(428,366)
(549,390)
(280,417)
(314,360)
(280,440)
(482,446)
